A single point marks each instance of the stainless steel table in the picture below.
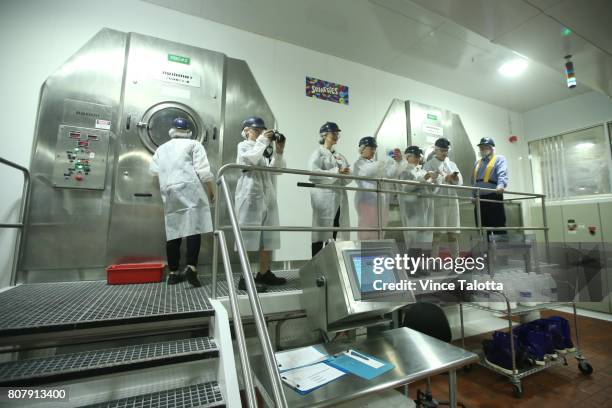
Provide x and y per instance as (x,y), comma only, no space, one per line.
(415,356)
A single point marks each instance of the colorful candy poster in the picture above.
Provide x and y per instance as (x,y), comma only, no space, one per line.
(328,91)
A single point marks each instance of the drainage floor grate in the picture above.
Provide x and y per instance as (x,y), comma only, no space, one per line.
(198,395)
(67,305)
(65,366)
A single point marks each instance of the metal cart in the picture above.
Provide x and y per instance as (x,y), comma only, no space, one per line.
(517,375)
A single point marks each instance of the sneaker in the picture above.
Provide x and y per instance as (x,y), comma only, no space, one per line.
(565,333)
(260,288)
(192,277)
(269,278)
(174,278)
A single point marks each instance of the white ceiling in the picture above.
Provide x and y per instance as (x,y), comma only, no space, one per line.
(457,45)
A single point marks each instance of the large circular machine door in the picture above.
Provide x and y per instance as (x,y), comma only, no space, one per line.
(157,120)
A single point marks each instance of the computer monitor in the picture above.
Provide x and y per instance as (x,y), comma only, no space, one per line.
(365,283)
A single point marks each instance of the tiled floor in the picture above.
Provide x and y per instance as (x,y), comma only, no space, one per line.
(558,387)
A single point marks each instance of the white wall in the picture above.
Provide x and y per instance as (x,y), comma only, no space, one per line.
(39,35)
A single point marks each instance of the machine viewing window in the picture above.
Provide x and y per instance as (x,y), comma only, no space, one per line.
(361,266)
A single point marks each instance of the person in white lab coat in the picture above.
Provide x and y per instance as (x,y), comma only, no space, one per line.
(329,206)
(182,167)
(255,199)
(366,202)
(416,211)
(446,209)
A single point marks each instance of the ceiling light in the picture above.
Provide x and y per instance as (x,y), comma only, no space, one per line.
(513,67)
(585,145)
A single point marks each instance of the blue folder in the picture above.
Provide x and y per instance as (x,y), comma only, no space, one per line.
(348,364)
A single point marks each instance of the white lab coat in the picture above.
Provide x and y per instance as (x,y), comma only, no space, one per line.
(446,209)
(415,211)
(182,167)
(325,202)
(366,202)
(255,198)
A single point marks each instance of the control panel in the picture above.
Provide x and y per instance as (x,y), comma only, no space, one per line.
(81,157)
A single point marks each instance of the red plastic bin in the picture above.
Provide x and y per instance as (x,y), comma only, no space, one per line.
(134,273)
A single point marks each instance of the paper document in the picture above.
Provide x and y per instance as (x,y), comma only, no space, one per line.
(301,357)
(308,378)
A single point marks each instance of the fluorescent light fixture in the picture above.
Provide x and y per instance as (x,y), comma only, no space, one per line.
(585,145)
(513,67)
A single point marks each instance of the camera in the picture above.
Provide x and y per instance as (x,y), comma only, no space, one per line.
(278,137)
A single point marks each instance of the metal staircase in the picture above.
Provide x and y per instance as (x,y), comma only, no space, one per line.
(158,345)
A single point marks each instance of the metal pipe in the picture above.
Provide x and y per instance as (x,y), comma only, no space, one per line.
(545,224)
(235,310)
(379,210)
(478,213)
(260,322)
(215,258)
(452,389)
(308,229)
(231,166)
(11,225)
(25,198)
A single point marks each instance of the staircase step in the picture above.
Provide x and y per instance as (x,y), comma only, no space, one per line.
(197,395)
(104,361)
(52,307)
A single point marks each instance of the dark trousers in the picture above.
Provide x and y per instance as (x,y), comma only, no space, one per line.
(315,247)
(173,251)
(492,214)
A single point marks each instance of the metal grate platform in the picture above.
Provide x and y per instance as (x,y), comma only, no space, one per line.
(43,307)
(97,362)
(198,395)
(292,276)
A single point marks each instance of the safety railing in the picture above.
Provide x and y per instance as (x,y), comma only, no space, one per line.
(247,374)
(20,225)
(260,323)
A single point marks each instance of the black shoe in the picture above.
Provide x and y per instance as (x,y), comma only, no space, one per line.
(258,286)
(269,278)
(192,277)
(174,278)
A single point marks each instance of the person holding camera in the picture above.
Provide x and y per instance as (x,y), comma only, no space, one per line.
(366,202)
(446,207)
(255,200)
(329,206)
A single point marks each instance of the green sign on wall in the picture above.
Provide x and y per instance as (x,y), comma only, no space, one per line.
(179,58)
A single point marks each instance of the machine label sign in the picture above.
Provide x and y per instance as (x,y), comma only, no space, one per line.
(432,129)
(179,58)
(103,124)
(177,77)
(328,91)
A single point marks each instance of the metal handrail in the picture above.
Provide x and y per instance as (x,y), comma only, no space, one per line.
(260,322)
(235,310)
(268,353)
(231,166)
(25,197)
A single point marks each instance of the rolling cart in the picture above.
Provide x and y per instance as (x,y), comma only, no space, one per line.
(516,375)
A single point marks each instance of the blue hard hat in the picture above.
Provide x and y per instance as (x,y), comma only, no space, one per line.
(368,141)
(486,141)
(181,123)
(416,150)
(329,127)
(442,143)
(254,122)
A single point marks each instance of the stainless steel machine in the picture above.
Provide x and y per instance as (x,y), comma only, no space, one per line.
(342,290)
(101,116)
(413,123)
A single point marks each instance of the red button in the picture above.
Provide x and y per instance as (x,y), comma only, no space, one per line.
(78,178)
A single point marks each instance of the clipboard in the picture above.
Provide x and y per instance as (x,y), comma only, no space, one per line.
(359,364)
